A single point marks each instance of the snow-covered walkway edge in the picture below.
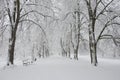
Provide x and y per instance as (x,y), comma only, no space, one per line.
(58,68)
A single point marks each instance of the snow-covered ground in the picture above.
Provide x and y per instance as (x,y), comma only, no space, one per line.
(59,68)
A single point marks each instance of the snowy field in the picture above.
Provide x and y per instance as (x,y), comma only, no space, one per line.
(59,68)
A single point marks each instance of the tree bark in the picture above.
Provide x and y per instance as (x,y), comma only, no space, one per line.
(91,26)
(11,49)
(77,35)
(14,20)
(92,43)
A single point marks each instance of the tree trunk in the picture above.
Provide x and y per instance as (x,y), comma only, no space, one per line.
(14,20)
(76,54)
(11,48)
(77,35)
(92,43)
(69,52)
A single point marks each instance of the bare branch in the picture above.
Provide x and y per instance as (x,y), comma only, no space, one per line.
(102,11)
(97,4)
(28,20)
(106,25)
(109,36)
(66,15)
(5,27)
(34,11)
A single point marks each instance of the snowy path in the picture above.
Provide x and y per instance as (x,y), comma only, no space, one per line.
(57,68)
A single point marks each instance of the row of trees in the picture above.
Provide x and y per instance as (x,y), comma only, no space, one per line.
(93,18)
(21,15)
(98,16)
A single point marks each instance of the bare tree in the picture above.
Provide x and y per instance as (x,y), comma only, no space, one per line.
(75,26)
(17,14)
(94,14)
(76,31)
(14,17)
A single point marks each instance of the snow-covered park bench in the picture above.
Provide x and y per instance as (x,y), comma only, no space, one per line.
(27,62)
